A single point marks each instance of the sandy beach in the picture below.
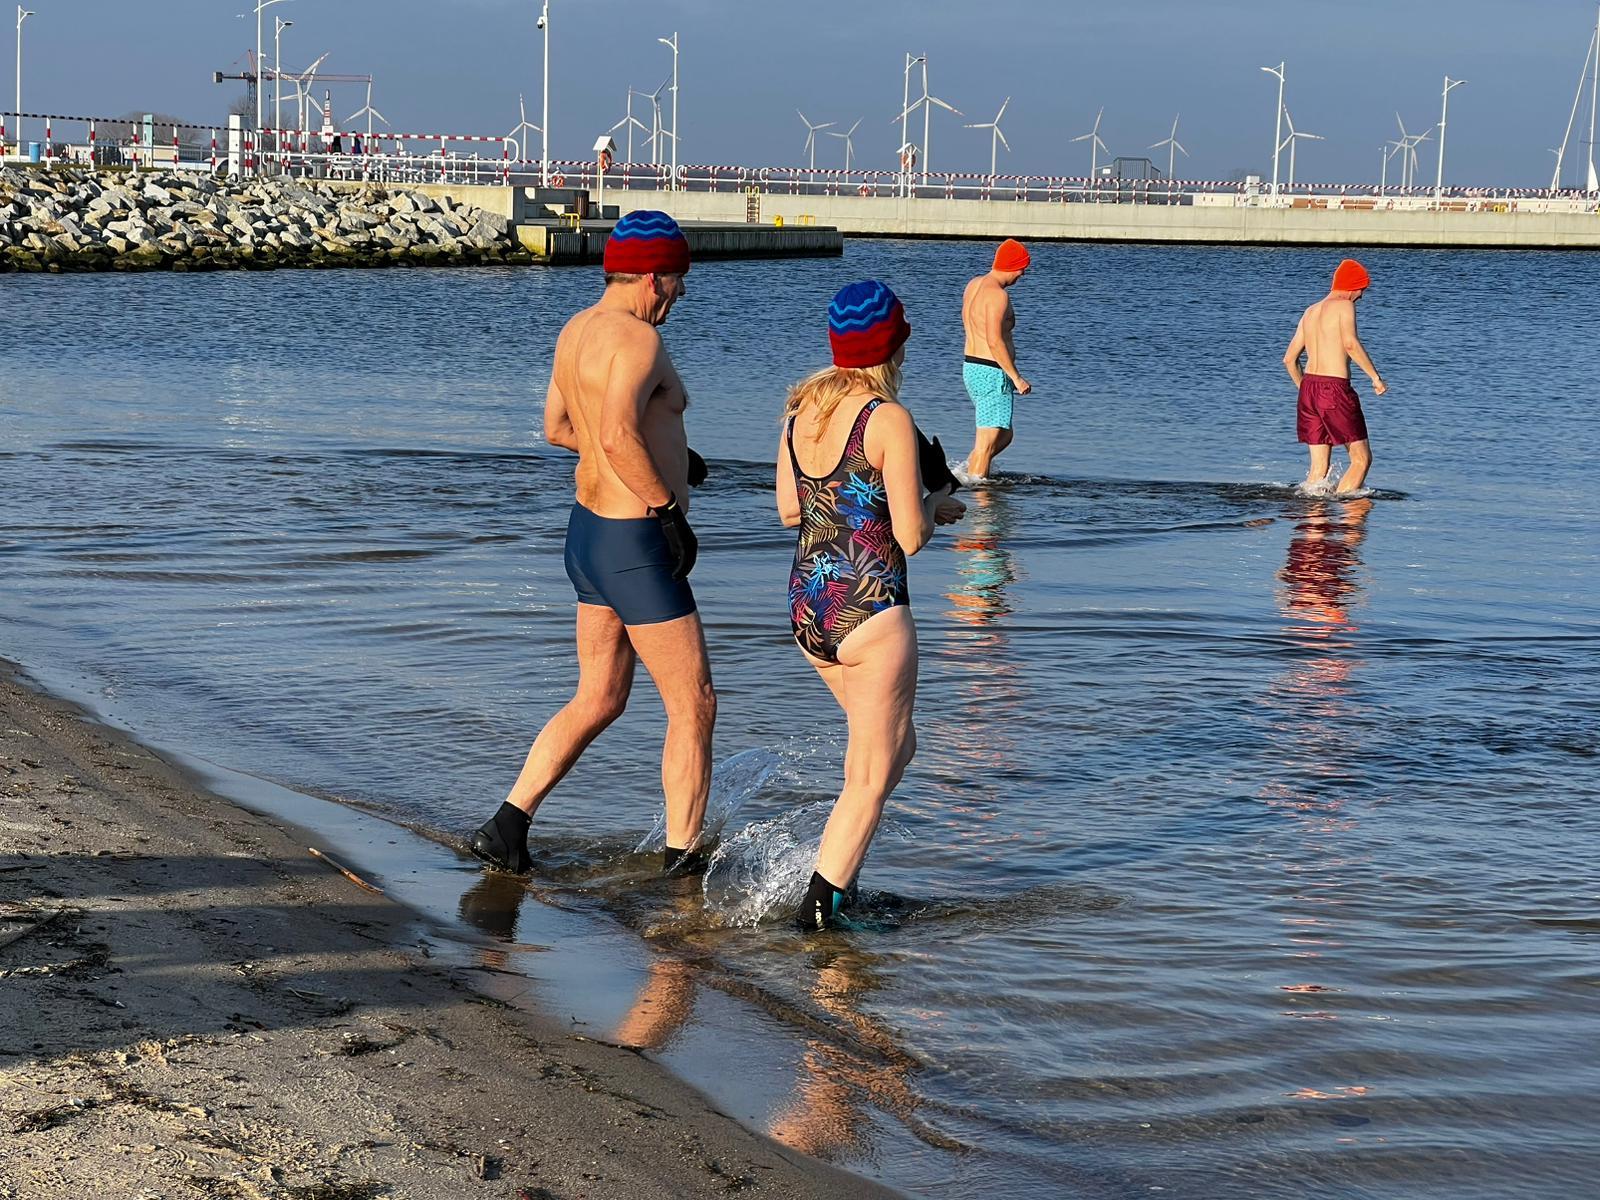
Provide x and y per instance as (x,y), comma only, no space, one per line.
(194,1006)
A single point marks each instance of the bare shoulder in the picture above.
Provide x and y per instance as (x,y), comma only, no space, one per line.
(892,417)
(620,337)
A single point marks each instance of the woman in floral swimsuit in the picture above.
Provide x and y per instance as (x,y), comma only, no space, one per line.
(848,600)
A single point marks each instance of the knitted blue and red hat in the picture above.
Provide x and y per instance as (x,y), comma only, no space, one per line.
(866,324)
(646,243)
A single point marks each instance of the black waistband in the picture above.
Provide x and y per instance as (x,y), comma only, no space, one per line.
(982,362)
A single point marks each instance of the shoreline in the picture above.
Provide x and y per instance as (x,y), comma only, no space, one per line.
(203,1008)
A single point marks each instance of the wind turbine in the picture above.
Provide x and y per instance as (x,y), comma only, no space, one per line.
(1095,144)
(811,136)
(655,121)
(1294,136)
(1173,147)
(521,130)
(1390,149)
(996,138)
(631,122)
(369,112)
(926,101)
(302,87)
(1408,151)
(849,146)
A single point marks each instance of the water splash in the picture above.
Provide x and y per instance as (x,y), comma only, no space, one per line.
(733,781)
(761,871)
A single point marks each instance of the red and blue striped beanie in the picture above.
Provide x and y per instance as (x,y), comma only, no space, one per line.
(866,324)
(646,243)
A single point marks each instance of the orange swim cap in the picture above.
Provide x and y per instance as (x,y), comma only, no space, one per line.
(1350,276)
(1012,256)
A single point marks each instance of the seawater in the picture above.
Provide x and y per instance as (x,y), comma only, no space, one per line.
(1251,845)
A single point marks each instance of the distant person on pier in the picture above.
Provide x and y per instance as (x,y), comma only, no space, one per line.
(990,370)
(617,400)
(864,492)
(1329,412)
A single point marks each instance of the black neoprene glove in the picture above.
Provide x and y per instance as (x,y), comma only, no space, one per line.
(697,469)
(936,471)
(681,541)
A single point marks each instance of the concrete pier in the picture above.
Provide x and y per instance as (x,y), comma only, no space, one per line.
(563,243)
(1344,225)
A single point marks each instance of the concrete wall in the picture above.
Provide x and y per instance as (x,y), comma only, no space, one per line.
(561,245)
(898,217)
(513,203)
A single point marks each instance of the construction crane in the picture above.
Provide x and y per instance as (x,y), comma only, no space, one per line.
(254,78)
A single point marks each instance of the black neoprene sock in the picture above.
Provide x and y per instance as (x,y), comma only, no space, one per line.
(512,823)
(685,861)
(503,839)
(820,909)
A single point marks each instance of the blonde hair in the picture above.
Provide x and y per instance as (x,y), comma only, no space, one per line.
(825,388)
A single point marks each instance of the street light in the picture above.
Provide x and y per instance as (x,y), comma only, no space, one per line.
(261,7)
(544,120)
(22,15)
(277,80)
(1438,183)
(673,43)
(1277,136)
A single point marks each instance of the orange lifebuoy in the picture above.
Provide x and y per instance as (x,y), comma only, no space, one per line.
(865,190)
(605,161)
(558,180)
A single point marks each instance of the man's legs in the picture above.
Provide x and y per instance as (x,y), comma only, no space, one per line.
(605,676)
(674,652)
(984,447)
(1360,464)
(1321,464)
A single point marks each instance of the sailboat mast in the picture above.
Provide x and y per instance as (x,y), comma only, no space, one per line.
(1594,102)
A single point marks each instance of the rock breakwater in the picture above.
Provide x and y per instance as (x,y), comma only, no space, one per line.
(65,220)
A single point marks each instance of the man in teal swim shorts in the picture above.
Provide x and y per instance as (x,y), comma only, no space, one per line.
(990,370)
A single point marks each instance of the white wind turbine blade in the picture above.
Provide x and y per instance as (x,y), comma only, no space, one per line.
(942,104)
(1179,145)
(1002,111)
(999,133)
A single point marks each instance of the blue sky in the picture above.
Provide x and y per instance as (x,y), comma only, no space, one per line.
(457,66)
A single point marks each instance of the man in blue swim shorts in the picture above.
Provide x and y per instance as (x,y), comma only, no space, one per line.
(990,370)
(617,400)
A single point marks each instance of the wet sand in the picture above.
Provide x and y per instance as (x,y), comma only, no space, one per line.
(194,1006)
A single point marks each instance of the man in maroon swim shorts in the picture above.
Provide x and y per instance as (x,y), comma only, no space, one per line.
(1329,412)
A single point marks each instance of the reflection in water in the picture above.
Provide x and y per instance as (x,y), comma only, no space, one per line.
(843,1076)
(665,1001)
(851,1067)
(986,566)
(1315,728)
(976,716)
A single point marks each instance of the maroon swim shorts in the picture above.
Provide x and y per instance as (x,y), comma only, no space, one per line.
(1329,412)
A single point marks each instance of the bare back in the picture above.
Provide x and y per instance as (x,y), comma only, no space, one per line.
(596,352)
(986,307)
(1328,329)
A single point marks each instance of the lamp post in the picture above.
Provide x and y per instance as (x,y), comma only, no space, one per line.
(1444,111)
(261,7)
(673,43)
(277,80)
(544,119)
(22,15)
(1277,136)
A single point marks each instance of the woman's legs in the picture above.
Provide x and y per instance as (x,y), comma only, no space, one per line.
(877,688)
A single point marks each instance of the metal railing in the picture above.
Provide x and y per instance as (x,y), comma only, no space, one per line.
(409,158)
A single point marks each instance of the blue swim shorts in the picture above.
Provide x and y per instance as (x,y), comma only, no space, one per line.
(624,564)
(991,391)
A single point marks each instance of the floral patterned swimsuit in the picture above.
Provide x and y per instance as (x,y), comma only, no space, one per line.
(847,565)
